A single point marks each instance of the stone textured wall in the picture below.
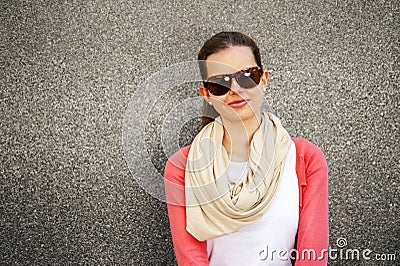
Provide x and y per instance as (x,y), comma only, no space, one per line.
(69,70)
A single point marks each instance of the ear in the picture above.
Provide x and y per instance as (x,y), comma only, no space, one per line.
(204,93)
(265,77)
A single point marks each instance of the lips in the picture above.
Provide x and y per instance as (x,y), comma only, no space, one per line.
(238,103)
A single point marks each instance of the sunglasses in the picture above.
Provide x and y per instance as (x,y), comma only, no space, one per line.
(246,78)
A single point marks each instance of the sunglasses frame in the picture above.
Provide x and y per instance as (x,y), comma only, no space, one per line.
(217,80)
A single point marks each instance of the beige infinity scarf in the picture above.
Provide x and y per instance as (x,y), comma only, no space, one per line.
(214,206)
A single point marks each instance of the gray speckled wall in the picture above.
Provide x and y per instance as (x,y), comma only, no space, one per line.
(70,68)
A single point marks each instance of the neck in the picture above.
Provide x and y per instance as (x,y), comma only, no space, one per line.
(238,135)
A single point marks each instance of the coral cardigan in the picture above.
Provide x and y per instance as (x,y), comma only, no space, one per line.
(312,234)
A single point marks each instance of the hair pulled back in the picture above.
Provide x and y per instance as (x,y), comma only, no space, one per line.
(216,43)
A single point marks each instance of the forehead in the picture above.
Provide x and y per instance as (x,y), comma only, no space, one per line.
(230,60)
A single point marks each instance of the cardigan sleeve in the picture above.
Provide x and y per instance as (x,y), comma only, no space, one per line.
(312,235)
(188,250)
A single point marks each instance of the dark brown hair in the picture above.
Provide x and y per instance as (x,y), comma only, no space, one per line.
(216,43)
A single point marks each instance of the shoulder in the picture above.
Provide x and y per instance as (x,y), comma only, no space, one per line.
(307,149)
(176,165)
(178,159)
(174,177)
(309,160)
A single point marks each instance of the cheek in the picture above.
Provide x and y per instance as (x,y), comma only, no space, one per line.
(258,96)
(220,104)
(218,100)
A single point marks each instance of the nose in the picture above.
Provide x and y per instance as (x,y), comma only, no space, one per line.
(235,87)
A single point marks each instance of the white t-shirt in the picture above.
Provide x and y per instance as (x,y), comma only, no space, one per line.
(268,240)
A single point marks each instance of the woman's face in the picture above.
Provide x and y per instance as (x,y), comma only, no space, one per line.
(239,103)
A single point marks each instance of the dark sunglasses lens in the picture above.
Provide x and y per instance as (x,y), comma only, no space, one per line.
(218,86)
(216,89)
(249,80)
(246,79)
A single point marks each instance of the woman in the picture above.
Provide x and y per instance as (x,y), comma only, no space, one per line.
(244,192)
